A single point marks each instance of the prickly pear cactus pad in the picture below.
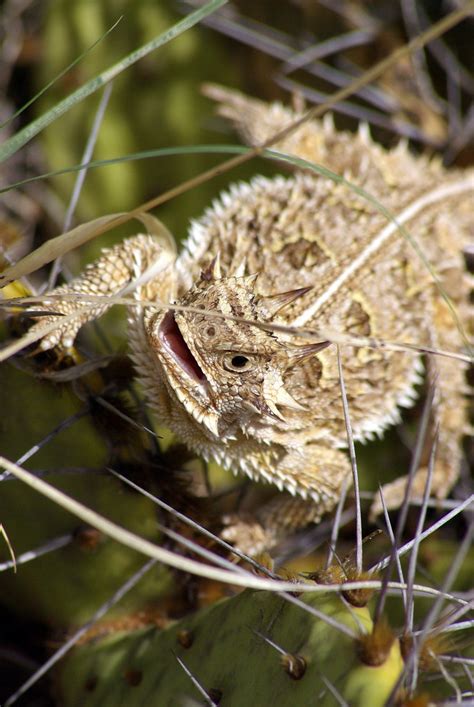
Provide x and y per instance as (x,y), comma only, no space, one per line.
(253,649)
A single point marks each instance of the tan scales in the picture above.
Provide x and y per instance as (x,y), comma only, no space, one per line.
(306,251)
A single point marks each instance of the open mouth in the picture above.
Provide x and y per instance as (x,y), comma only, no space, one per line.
(178,349)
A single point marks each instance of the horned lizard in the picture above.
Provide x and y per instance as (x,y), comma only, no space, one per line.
(306,251)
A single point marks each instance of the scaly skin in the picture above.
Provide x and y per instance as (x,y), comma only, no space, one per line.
(309,252)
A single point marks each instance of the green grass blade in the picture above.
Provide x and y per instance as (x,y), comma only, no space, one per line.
(62,73)
(206,149)
(29,131)
(134,156)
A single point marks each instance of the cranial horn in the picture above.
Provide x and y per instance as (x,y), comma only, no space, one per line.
(213,270)
(298,354)
(274,303)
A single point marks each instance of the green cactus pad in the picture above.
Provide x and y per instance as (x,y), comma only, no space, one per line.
(226,652)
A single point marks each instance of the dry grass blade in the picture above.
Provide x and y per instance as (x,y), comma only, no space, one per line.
(129,539)
(68,375)
(86,157)
(56,247)
(360,113)
(32,336)
(197,549)
(146,547)
(185,564)
(13,561)
(221,561)
(456,659)
(62,471)
(312,335)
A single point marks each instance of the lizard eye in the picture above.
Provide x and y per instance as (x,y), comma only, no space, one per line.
(237,363)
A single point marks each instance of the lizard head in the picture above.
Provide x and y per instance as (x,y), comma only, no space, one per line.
(222,369)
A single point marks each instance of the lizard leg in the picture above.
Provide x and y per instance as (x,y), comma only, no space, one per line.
(314,140)
(109,275)
(281,516)
(318,473)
